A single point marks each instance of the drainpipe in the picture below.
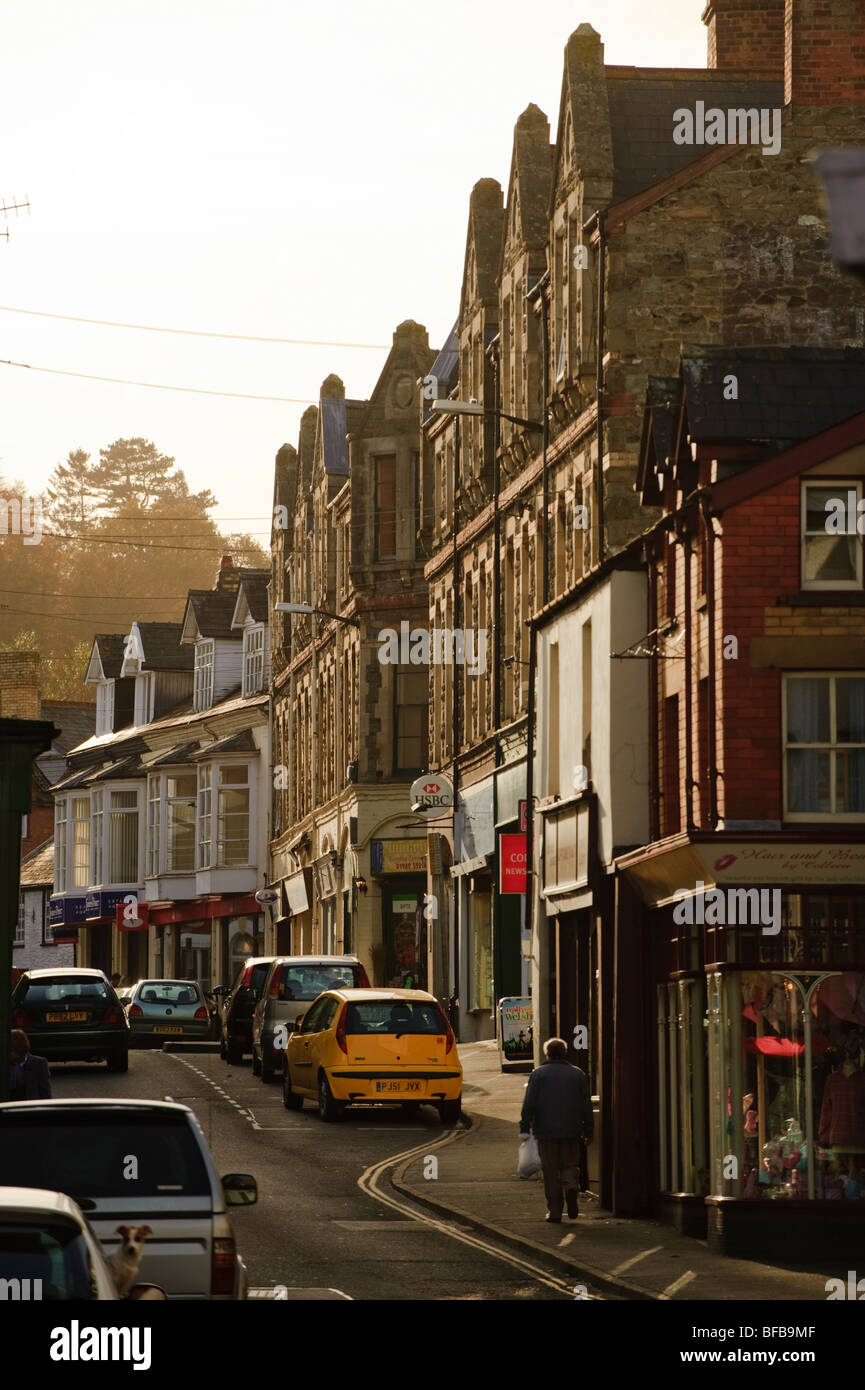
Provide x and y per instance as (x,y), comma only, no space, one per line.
(545,319)
(712,772)
(454,1003)
(689,723)
(599,388)
(530,814)
(652,624)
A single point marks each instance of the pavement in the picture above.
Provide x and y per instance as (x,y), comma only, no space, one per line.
(614,1257)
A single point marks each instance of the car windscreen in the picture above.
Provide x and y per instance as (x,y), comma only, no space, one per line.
(386,1016)
(58,989)
(53,1256)
(168,992)
(309,981)
(122,1153)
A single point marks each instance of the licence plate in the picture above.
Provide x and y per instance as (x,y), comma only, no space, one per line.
(169,1029)
(401,1087)
(66,1018)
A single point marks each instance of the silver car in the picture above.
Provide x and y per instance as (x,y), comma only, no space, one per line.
(48,1253)
(291,984)
(135,1162)
(162,1009)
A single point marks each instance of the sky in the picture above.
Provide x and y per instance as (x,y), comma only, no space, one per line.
(255,167)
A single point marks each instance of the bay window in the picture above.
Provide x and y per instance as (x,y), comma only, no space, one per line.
(180,803)
(80,819)
(203,678)
(824,746)
(97,800)
(60,828)
(154,815)
(123,836)
(205,816)
(233,816)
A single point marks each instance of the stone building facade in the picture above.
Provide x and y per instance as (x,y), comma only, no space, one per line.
(350,724)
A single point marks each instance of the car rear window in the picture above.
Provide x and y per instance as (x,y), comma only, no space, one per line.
(168,992)
(385,1016)
(57,989)
(122,1154)
(54,1254)
(309,981)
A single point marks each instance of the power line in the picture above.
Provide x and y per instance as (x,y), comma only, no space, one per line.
(63,617)
(159,385)
(100,598)
(194,332)
(145,545)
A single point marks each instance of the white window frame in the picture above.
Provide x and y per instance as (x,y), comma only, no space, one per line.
(154,824)
(104,707)
(79,797)
(832,747)
(204,817)
(60,837)
(110,811)
(205,650)
(253,659)
(143,698)
(170,866)
(219,817)
(20,922)
(844,485)
(97,835)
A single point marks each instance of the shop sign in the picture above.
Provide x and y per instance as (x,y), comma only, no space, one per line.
(516,1029)
(398,856)
(99,905)
(431,795)
(766,864)
(512,870)
(325,881)
(132,915)
(296,893)
(64,911)
(524,819)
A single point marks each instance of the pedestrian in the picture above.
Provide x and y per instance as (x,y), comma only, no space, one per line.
(115,980)
(30,1079)
(558,1110)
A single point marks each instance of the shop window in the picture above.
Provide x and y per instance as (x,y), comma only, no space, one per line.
(480,951)
(831,560)
(824,746)
(684,1158)
(792,1093)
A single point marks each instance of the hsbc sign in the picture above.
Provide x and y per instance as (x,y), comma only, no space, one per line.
(431,795)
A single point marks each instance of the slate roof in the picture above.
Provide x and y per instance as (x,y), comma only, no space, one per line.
(181,754)
(74,779)
(784,394)
(236,743)
(124,767)
(162,649)
(213,609)
(445,368)
(254,591)
(334,446)
(37,868)
(642,103)
(111,646)
(76,723)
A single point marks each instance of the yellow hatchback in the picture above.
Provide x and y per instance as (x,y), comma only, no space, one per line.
(362,1046)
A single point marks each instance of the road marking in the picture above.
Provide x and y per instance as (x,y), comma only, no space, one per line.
(268,1291)
(635,1259)
(566,1239)
(368,1183)
(679,1283)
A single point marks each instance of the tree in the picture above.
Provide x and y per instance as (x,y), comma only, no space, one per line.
(71,494)
(132,474)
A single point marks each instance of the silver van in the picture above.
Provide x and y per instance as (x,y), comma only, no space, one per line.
(291,984)
(135,1162)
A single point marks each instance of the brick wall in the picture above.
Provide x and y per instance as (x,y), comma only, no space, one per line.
(19,685)
(745,34)
(824,52)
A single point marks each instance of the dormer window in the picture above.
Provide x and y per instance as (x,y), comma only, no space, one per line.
(204,674)
(253,660)
(143,698)
(104,707)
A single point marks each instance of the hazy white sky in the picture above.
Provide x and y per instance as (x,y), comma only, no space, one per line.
(254,166)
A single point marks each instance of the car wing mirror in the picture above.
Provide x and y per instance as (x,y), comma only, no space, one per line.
(240,1189)
(148,1291)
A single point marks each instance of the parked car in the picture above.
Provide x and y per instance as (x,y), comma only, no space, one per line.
(72,1014)
(48,1253)
(161,1009)
(291,984)
(135,1161)
(237,1003)
(124,994)
(379,1045)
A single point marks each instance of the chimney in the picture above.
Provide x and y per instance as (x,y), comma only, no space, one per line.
(19,685)
(824,61)
(746,34)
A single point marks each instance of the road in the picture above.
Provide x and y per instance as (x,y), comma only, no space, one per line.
(314,1228)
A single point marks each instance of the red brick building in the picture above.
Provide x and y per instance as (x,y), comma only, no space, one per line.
(747,908)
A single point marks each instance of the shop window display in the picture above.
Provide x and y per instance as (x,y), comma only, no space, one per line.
(795,1098)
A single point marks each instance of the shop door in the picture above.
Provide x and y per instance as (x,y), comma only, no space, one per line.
(404,933)
(99,942)
(136,955)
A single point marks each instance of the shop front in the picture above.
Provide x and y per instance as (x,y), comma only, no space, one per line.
(473,875)
(761,1049)
(399,867)
(297,900)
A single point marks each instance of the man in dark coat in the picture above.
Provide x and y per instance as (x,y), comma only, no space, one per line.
(558,1111)
(31,1079)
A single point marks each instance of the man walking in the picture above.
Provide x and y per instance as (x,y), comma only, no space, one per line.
(30,1079)
(558,1110)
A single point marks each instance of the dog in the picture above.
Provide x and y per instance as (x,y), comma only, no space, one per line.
(125,1260)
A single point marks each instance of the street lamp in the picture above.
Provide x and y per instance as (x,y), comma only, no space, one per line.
(473,408)
(308,610)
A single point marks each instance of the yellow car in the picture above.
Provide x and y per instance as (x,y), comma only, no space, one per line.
(367,1045)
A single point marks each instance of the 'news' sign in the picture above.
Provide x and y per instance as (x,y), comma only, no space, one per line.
(512,864)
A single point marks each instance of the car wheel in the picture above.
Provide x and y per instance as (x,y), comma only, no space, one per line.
(328,1108)
(233,1055)
(222,1052)
(449,1111)
(119,1061)
(256,1064)
(268,1075)
(290,1099)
